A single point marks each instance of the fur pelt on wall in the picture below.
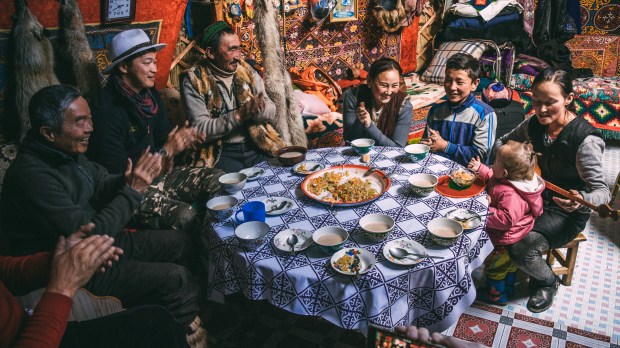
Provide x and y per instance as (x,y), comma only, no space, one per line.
(34,61)
(277,80)
(76,51)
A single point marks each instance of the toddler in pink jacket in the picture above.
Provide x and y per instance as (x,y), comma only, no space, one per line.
(514,193)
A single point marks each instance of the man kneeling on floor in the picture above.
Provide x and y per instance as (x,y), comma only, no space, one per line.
(52,189)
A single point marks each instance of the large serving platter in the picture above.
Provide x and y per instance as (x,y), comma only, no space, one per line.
(379,181)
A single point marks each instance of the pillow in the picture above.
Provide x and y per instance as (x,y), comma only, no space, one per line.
(436,71)
(311,104)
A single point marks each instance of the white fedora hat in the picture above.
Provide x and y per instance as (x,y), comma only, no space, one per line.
(127,43)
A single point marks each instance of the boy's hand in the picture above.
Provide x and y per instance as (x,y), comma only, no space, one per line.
(435,141)
(474,164)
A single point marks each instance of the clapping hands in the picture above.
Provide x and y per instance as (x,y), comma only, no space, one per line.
(254,105)
(149,167)
(363,115)
(183,138)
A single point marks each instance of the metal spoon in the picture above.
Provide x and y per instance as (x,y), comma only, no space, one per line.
(401,253)
(462,219)
(292,241)
(277,207)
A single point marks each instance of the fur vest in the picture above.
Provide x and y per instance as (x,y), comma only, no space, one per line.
(264,135)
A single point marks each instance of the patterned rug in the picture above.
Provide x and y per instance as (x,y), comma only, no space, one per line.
(245,323)
(333,47)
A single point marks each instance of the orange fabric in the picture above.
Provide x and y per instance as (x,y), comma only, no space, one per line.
(307,81)
(170,12)
(408,44)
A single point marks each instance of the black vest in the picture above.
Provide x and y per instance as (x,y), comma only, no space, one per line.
(558,161)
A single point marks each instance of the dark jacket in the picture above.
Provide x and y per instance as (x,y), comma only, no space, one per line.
(48,193)
(120,132)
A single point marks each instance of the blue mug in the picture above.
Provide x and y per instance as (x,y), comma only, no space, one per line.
(252,211)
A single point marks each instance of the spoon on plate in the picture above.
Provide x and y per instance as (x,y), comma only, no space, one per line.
(277,207)
(292,241)
(463,219)
(401,253)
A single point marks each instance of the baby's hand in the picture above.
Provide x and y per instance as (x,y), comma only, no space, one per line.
(489,199)
(474,164)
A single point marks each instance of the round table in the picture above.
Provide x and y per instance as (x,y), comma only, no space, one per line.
(432,293)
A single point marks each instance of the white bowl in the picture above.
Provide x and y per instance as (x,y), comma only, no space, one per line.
(252,234)
(233,182)
(338,234)
(444,231)
(221,208)
(377,226)
(417,152)
(422,184)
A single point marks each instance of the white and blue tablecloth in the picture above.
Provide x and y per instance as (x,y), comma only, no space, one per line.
(432,293)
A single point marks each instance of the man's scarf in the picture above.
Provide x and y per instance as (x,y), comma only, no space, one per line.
(143,100)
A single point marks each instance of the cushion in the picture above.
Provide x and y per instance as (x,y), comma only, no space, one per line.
(310,104)
(436,71)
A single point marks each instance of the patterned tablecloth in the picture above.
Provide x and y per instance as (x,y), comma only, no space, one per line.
(432,293)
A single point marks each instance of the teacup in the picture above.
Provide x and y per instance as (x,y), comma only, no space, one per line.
(221,208)
(422,184)
(444,231)
(252,211)
(233,182)
(252,234)
(377,226)
(330,238)
(363,145)
(417,152)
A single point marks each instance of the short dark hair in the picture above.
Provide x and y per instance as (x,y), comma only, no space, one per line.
(129,60)
(557,76)
(47,107)
(464,61)
(383,64)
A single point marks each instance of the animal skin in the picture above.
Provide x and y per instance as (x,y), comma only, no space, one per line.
(277,80)
(75,48)
(34,61)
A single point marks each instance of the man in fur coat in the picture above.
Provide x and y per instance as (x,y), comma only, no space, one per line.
(129,117)
(225,99)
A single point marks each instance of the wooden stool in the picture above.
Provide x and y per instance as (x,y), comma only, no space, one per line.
(567,263)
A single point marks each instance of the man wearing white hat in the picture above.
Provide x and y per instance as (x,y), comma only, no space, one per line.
(129,117)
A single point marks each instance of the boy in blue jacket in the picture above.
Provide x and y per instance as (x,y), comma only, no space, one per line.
(463,127)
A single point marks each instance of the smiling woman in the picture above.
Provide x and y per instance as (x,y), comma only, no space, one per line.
(378,110)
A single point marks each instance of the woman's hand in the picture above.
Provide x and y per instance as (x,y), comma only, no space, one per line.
(363,115)
(474,164)
(568,204)
(435,141)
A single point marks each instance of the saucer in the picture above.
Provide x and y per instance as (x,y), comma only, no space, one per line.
(272,202)
(252,173)
(304,239)
(303,167)
(407,244)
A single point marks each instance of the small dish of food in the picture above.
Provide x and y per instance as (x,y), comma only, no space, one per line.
(469,219)
(305,168)
(463,177)
(353,261)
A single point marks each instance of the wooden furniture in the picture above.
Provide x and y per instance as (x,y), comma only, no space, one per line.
(567,262)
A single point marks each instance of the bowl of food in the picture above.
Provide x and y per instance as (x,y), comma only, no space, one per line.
(363,145)
(330,238)
(417,152)
(233,182)
(221,208)
(291,155)
(252,234)
(444,231)
(422,184)
(353,261)
(377,226)
(463,178)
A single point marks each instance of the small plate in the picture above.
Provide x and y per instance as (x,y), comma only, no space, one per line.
(466,214)
(253,173)
(273,202)
(304,239)
(303,167)
(367,260)
(407,244)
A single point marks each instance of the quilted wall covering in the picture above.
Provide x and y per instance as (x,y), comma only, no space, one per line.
(334,47)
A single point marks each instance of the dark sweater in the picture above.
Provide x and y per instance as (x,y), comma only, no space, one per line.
(48,193)
(120,132)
